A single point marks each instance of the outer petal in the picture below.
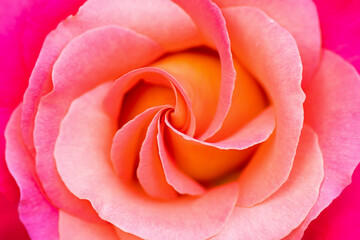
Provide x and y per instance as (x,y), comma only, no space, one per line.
(97,56)
(271,55)
(33,206)
(275,217)
(300,18)
(82,155)
(74,228)
(340,28)
(332,109)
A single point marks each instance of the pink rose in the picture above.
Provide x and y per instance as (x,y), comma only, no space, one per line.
(180,119)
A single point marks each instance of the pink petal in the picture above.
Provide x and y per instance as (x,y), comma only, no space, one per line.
(33,206)
(340,28)
(181,182)
(97,56)
(82,155)
(332,109)
(270,53)
(208,18)
(72,227)
(132,134)
(275,217)
(150,172)
(302,24)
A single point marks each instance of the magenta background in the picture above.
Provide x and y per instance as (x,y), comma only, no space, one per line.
(23,27)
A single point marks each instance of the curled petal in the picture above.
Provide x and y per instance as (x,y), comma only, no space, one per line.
(208,18)
(150,171)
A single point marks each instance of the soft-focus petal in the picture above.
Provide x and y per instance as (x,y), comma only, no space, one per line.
(270,53)
(332,109)
(82,155)
(34,208)
(275,217)
(340,28)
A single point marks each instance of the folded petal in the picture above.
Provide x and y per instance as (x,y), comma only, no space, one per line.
(82,155)
(270,53)
(132,134)
(33,206)
(332,109)
(208,18)
(275,217)
(150,172)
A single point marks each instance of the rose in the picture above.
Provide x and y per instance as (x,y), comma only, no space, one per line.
(341,117)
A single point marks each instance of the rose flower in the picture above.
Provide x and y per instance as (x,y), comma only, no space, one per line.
(180,120)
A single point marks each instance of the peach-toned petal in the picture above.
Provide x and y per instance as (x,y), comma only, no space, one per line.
(131,135)
(150,172)
(208,18)
(332,109)
(97,56)
(33,206)
(74,228)
(287,208)
(300,18)
(82,154)
(270,53)
(207,161)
